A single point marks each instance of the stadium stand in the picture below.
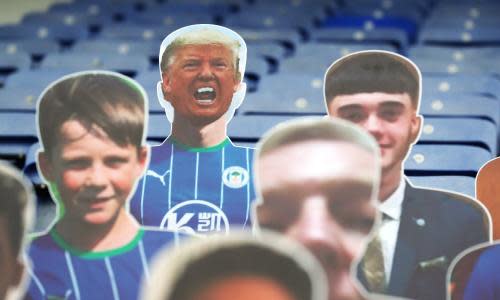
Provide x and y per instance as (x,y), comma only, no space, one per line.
(290,45)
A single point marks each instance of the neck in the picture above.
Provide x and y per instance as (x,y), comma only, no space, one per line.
(199,136)
(390,180)
(102,237)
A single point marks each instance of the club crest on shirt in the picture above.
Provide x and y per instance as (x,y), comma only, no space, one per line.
(196,217)
(235,177)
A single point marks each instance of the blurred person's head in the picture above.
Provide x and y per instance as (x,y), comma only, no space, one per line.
(238,266)
(317,180)
(15,216)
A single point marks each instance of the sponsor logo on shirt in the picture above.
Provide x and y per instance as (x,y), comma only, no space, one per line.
(196,217)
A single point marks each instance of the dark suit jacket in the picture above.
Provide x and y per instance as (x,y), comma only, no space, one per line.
(434,227)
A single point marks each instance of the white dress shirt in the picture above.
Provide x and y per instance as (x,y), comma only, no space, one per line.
(388,230)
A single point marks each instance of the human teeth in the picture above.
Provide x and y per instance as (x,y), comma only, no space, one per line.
(205,89)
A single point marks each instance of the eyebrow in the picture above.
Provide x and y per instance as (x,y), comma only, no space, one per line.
(390,104)
(384,104)
(349,107)
(356,187)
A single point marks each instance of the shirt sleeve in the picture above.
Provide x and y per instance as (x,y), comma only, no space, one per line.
(484,282)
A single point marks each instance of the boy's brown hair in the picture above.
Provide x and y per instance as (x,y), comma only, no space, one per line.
(373,71)
(114,103)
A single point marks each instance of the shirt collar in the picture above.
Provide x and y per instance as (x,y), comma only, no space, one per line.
(393,205)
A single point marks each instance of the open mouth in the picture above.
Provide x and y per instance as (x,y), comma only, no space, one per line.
(205,95)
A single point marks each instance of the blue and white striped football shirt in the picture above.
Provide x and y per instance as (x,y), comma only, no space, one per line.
(61,272)
(197,190)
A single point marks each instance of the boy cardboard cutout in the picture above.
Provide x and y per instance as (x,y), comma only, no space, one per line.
(423,229)
(91,127)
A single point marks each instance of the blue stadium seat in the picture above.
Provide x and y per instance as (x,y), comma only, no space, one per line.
(19,99)
(318,11)
(15,61)
(96,8)
(468,131)
(250,129)
(315,58)
(290,38)
(257,66)
(390,36)
(464,23)
(30,169)
(433,66)
(136,32)
(303,4)
(75,61)
(466,9)
(445,160)
(272,50)
(286,94)
(43,32)
(33,47)
(212,7)
(117,47)
(158,127)
(269,20)
(402,10)
(483,85)
(454,54)
(148,80)
(460,105)
(170,18)
(452,36)
(458,184)
(14,138)
(368,22)
(34,80)
(67,20)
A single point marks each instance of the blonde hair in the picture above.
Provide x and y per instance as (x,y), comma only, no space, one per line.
(203,36)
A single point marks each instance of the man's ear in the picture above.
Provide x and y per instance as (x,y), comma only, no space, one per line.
(45,166)
(166,84)
(415,126)
(236,86)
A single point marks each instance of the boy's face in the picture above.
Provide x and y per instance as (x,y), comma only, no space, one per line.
(94,176)
(389,118)
(12,269)
(200,82)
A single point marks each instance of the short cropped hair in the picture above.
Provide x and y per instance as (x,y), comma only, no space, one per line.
(300,130)
(16,205)
(314,128)
(202,36)
(108,100)
(373,71)
(181,272)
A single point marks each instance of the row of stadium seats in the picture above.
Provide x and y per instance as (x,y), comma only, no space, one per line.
(290,43)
